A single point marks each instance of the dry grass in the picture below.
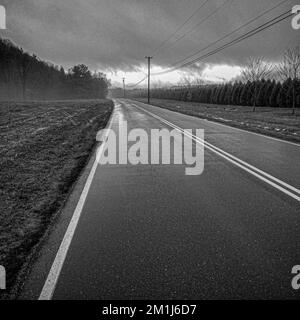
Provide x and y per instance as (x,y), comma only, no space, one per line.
(43,148)
(276,122)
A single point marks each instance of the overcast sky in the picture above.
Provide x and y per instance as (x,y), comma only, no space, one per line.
(115,35)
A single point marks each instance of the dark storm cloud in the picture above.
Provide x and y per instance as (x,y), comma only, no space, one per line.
(117,34)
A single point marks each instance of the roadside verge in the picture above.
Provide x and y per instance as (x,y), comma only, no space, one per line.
(273,122)
(64,149)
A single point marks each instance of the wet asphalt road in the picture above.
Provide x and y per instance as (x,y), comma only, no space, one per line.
(152,232)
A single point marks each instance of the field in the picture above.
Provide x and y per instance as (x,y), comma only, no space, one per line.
(276,122)
(43,148)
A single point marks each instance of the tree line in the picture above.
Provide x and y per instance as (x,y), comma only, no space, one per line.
(261,85)
(270,93)
(26,77)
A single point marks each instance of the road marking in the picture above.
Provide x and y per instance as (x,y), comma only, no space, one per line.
(52,279)
(235,128)
(53,276)
(275,182)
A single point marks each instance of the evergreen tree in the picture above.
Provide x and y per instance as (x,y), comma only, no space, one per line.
(261,89)
(221,97)
(228,93)
(281,97)
(244,94)
(269,89)
(297,92)
(251,94)
(273,101)
(289,93)
(215,95)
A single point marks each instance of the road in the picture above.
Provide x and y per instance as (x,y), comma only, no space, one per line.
(152,232)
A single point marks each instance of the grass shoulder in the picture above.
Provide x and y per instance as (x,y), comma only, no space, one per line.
(274,122)
(44,147)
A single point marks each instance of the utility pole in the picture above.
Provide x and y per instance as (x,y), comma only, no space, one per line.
(149,68)
(124,90)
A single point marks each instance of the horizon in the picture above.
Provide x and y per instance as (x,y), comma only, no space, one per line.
(72,29)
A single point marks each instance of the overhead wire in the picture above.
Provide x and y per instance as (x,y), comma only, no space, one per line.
(193,29)
(179,28)
(231,43)
(232,32)
(178,65)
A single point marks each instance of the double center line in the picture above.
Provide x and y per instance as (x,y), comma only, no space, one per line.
(54,273)
(264,176)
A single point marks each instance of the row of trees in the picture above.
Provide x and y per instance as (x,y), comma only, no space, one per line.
(24,76)
(261,84)
(268,93)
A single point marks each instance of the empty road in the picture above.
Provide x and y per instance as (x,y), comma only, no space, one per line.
(152,232)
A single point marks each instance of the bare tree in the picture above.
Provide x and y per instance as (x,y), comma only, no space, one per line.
(199,81)
(186,81)
(289,68)
(255,70)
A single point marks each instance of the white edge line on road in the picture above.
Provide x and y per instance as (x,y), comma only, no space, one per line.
(52,279)
(235,128)
(233,159)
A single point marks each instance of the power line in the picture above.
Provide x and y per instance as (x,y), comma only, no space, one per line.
(210,15)
(232,32)
(179,28)
(231,43)
(136,84)
(193,29)
(227,46)
(241,38)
